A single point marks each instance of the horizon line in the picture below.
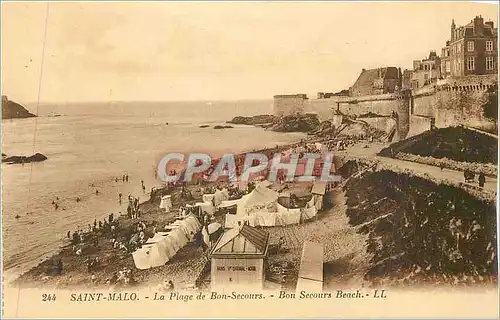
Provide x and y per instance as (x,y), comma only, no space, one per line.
(140,101)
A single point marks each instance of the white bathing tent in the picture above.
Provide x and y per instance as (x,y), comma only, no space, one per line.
(166,203)
(261,208)
(261,202)
(164,245)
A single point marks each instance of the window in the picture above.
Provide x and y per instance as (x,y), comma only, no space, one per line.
(459,64)
(489,45)
(470,63)
(448,66)
(459,47)
(490,63)
(470,46)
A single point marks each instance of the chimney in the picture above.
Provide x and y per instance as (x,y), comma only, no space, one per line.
(489,23)
(452,29)
(478,25)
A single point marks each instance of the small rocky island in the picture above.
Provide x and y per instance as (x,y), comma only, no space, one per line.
(13,110)
(254,120)
(292,123)
(37,157)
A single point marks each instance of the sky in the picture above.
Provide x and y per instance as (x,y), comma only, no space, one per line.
(159,51)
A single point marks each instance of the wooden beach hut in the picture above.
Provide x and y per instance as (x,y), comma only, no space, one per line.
(238,259)
(311,268)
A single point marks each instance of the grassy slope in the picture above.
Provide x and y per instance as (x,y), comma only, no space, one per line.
(455,143)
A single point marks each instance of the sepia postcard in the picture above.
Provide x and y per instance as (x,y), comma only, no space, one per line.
(249,159)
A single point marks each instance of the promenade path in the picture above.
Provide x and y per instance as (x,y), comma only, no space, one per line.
(436,172)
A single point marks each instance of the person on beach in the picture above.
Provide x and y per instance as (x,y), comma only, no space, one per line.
(120,198)
(126,178)
(69,234)
(77,199)
(100,224)
(123,178)
(143,189)
(482,180)
(56,206)
(60,266)
(95,224)
(116,179)
(96,192)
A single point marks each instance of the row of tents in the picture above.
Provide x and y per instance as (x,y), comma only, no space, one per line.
(159,249)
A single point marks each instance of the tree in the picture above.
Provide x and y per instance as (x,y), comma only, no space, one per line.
(490,108)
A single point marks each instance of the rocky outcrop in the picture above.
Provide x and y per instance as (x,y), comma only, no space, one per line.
(254,120)
(222,127)
(297,123)
(324,128)
(13,110)
(37,157)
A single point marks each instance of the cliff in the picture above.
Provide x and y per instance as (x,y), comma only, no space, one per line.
(13,110)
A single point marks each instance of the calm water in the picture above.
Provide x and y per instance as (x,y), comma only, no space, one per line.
(93,144)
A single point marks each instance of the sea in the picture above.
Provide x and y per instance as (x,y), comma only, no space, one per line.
(88,146)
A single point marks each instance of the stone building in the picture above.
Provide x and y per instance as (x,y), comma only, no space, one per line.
(406,79)
(376,81)
(289,104)
(425,71)
(471,50)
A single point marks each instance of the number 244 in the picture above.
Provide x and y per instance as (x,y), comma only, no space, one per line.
(48,297)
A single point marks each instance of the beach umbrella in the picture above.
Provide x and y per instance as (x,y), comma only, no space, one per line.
(213,227)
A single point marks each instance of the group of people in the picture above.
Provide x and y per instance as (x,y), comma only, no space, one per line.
(124,178)
(123,277)
(470,176)
(133,207)
(79,237)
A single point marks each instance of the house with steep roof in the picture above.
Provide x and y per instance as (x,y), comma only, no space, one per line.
(376,81)
(238,259)
(471,50)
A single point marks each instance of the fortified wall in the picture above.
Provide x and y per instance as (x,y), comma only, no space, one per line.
(452,101)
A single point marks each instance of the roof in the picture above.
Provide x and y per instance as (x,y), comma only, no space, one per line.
(260,195)
(245,241)
(364,83)
(311,264)
(319,187)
